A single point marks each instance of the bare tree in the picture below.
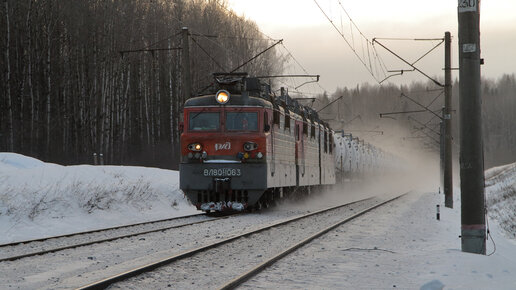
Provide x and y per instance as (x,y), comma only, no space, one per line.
(8,77)
(67,92)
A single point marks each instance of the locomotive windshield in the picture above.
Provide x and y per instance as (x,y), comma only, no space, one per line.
(204,121)
(242,121)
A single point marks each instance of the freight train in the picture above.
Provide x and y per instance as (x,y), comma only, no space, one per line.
(243,147)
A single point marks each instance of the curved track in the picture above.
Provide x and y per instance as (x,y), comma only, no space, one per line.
(98,230)
(60,242)
(238,241)
(253,272)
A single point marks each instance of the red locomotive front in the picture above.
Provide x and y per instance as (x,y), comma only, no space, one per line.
(224,150)
(244,147)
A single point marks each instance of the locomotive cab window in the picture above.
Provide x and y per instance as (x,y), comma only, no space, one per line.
(204,121)
(242,121)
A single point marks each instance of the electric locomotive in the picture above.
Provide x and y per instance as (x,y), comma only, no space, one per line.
(243,147)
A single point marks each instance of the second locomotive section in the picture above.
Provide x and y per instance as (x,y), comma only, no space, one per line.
(243,147)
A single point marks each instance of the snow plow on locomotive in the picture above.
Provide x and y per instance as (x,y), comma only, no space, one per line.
(243,147)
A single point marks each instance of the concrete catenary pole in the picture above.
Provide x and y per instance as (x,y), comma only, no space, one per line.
(441,153)
(473,230)
(448,172)
(185,61)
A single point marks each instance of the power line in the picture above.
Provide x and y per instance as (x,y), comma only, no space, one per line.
(233,12)
(369,44)
(275,40)
(412,65)
(161,40)
(228,51)
(232,37)
(208,54)
(300,65)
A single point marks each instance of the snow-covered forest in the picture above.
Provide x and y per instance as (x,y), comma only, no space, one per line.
(360,108)
(81,77)
(71,83)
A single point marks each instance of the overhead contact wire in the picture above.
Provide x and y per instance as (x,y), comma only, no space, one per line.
(347,42)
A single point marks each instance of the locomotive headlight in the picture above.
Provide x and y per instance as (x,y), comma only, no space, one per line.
(222,97)
(250,146)
(195,147)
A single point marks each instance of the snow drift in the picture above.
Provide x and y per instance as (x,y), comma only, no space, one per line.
(500,190)
(43,199)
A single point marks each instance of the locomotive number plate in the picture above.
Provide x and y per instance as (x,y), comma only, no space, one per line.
(222,172)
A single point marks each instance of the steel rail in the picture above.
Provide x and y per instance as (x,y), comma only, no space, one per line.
(13,258)
(102,284)
(99,230)
(253,272)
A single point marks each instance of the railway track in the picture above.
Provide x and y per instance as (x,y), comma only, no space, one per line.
(52,244)
(248,253)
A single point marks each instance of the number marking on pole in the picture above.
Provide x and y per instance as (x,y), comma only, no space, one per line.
(468,5)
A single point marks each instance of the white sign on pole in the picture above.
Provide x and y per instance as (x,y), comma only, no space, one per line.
(468,5)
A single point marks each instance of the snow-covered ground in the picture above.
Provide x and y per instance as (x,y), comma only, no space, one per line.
(400,246)
(501,197)
(39,199)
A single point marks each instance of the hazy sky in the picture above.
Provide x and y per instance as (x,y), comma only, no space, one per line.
(321,50)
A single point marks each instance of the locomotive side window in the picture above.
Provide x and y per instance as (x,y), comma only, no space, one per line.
(305,129)
(276,117)
(287,122)
(204,121)
(312,131)
(331,142)
(325,141)
(266,126)
(242,121)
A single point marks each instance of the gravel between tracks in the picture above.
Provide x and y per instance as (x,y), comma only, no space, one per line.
(397,246)
(217,266)
(37,246)
(76,267)
(81,266)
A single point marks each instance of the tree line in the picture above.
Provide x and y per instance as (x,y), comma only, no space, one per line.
(94,76)
(360,108)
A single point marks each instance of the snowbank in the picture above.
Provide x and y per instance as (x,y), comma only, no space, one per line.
(397,246)
(41,199)
(501,197)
